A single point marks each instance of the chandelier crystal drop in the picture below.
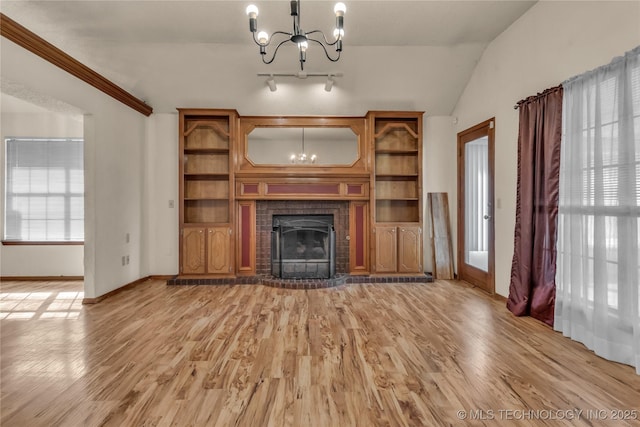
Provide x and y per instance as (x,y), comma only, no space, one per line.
(298,36)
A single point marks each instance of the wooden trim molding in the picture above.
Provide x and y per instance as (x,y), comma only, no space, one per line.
(23,37)
(28,243)
(115,291)
(40,278)
(499,298)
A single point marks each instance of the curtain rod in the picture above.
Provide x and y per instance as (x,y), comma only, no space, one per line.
(536,96)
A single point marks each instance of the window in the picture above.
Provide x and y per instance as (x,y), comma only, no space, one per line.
(598,280)
(602,201)
(44,190)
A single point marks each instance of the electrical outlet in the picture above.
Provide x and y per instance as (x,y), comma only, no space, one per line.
(171,204)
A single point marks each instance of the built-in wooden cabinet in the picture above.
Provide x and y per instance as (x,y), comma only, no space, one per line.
(220,186)
(193,250)
(409,249)
(386,244)
(206,191)
(398,249)
(219,250)
(397,182)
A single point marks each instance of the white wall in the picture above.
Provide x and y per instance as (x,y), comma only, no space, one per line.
(114,169)
(550,43)
(38,260)
(162,183)
(439,157)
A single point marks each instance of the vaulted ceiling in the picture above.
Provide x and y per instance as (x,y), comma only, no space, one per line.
(198,53)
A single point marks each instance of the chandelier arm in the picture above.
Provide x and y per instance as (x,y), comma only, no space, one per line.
(324,37)
(325,50)
(275,52)
(271,37)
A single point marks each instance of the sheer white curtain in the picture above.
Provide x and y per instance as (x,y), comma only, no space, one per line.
(598,280)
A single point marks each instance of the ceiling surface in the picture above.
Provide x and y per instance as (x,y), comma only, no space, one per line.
(142,45)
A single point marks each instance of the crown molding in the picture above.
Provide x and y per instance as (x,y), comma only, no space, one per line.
(35,44)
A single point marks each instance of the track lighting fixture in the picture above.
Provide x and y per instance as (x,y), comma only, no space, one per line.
(302,75)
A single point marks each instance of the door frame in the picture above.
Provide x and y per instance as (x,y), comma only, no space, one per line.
(466,272)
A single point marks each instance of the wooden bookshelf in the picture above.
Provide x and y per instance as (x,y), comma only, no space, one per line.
(206,191)
(397,182)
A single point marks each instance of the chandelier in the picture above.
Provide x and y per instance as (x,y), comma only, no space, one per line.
(298,36)
(302,158)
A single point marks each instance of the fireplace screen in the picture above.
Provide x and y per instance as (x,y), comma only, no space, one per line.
(303,247)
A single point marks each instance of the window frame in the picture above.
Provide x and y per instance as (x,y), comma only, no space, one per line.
(6,194)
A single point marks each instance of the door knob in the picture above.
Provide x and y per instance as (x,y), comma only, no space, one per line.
(486,217)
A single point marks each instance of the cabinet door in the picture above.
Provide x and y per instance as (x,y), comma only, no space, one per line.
(386,249)
(410,249)
(219,250)
(193,259)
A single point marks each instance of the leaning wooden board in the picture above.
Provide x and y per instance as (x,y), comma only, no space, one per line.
(441,248)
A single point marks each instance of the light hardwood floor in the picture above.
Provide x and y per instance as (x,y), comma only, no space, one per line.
(248,355)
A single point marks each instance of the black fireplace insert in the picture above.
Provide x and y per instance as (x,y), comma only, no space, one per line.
(303,247)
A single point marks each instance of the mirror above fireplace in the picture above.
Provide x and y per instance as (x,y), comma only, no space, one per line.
(302,145)
(320,145)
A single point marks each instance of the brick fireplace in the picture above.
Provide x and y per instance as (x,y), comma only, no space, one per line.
(266,209)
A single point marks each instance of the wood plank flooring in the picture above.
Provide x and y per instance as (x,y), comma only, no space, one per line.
(249,355)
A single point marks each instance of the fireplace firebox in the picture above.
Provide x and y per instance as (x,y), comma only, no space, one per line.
(303,247)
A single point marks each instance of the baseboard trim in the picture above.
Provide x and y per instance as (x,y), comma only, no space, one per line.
(40,278)
(500,298)
(115,291)
(162,277)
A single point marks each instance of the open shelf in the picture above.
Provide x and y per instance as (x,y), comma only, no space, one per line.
(206,189)
(397,210)
(217,163)
(397,189)
(210,134)
(397,174)
(206,211)
(395,126)
(397,164)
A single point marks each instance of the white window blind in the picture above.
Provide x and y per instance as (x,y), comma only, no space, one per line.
(44,190)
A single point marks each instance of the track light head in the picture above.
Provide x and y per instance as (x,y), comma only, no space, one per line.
(271,82)
(329,84)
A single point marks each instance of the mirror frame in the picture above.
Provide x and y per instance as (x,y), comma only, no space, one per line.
(356,124)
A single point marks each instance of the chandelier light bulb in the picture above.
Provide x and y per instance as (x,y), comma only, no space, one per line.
(339,9)
(263,37)
(303,46)
(338,33)
(252,11)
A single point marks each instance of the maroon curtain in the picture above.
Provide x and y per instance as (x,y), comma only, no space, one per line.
(532,289)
